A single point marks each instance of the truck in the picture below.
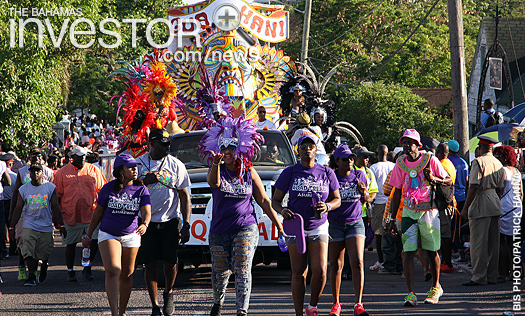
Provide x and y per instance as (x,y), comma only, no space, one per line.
(273,156)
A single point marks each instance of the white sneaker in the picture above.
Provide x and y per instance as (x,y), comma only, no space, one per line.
(378,265)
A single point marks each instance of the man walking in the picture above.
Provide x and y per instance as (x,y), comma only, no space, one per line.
(415,173)
(39,200)
(167,181)
(380,170)
(78,184)
(6,200)
(483,207)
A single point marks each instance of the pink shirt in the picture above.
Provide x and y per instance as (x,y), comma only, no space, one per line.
(401,179)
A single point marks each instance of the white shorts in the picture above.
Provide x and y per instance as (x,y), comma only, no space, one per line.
(321,230)
(128,241)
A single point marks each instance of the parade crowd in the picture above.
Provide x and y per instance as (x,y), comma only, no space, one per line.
(424,201)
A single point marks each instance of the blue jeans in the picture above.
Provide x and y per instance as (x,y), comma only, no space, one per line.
(233,252)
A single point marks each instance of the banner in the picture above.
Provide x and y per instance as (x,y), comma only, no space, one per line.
(269,27)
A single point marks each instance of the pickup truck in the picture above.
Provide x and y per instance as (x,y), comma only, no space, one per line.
(273,157)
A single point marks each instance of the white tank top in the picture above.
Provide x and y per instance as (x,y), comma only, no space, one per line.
(511,203)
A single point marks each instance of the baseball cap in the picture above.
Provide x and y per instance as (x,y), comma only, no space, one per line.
(36,166)
(412,134)
(159,134)
(35,152)
(7,157)
(362,151)
(125,160)
(79,151)
(343,152)
(305,137)
(453,145)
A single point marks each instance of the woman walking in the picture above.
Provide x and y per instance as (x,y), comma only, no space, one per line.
(313,191)
(118,206)
(347,228)
(231,145)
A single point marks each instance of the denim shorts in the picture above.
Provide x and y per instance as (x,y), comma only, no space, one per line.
(340,231)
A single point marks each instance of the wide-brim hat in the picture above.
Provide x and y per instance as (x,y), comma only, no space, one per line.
(411,134)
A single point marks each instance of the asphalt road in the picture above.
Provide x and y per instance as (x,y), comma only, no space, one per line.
(383,295)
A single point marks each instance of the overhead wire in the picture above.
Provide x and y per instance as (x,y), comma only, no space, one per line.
(356,24)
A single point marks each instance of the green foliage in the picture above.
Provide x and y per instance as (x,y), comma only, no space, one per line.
(381,112)
(424,62)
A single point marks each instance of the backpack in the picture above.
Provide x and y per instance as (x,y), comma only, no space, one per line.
(444,196)
(494,119)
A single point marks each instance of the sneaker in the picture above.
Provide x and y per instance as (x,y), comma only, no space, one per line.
(336,310)
(31,280)
(359,310)
(43,273)
(155,311)
(433,295)
(446,269)
(411,299)
(384,271)
(22,273)
(168,307)
(71,276)
(311,311)
(216,310)
(459,260)
(86,272)
(378,265)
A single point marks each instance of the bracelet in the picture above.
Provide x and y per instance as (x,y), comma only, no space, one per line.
(86,238)
(146,224)
(215,164)
(328,206)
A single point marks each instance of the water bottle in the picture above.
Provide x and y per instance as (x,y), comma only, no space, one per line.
(282,244)
(85,257)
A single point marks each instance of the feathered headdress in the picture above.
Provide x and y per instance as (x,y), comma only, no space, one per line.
(135,101)
(238,132)
(210,101)
(159,83)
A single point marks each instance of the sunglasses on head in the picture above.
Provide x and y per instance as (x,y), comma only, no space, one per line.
(307,146)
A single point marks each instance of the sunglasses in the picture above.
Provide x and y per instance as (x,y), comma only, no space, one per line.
(262,111)
(307,146)
(347,159)
(230,147)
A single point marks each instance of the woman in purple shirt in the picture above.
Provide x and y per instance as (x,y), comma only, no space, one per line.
(118,205)
(233,230)
(347,228)
(309,185)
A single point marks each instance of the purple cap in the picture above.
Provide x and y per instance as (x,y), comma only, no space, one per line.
(412,134)
(343,152)
(305,137)
(125,160)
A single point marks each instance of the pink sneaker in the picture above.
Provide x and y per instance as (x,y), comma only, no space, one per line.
(359,310)
(312,312)
(336,310)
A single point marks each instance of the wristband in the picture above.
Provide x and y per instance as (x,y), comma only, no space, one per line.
(215,164)
(328,207)
(146,224)
(284,210)
(86,238)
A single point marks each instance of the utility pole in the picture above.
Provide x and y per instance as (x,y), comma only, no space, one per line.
(457,69)
(306,31)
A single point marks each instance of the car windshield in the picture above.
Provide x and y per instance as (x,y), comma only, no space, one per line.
(274,151)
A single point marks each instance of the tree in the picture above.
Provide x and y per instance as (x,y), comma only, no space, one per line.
(382,111)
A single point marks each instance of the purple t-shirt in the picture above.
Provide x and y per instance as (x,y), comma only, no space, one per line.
(350,209)
(307,186)
(232,207)
(121,209)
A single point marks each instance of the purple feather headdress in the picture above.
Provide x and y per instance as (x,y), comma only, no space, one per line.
(210,100)
(239,132)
